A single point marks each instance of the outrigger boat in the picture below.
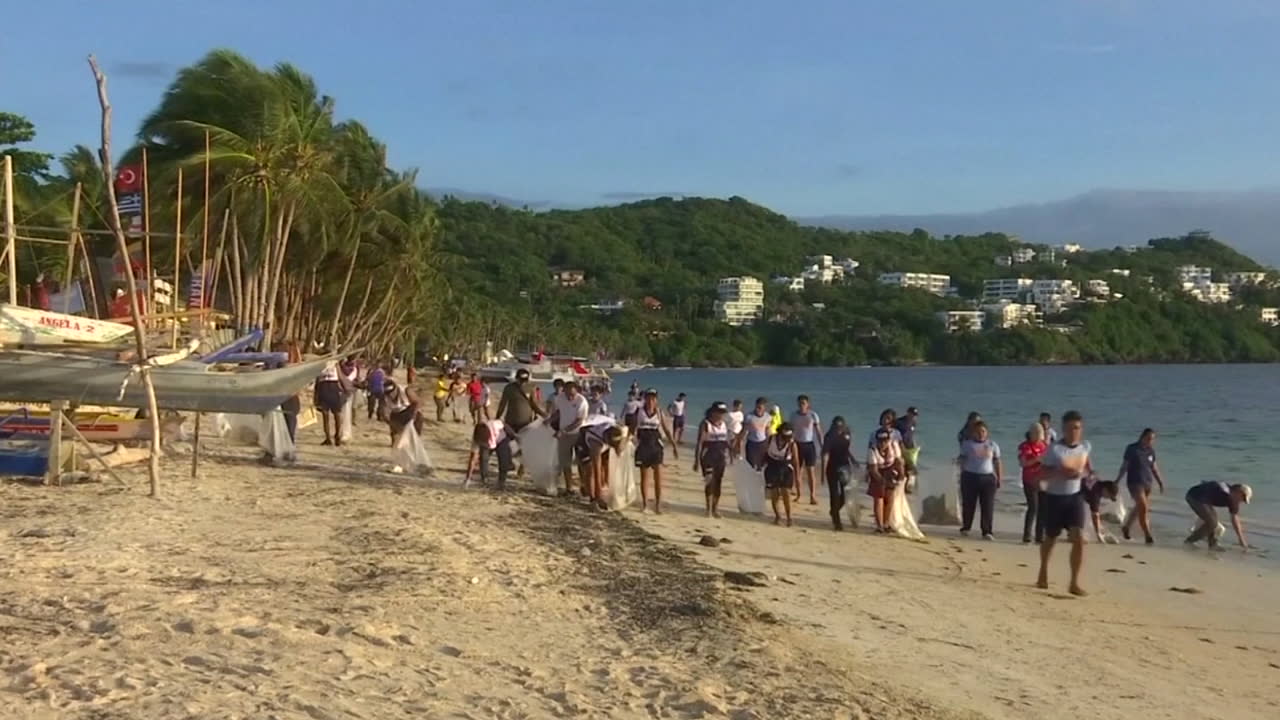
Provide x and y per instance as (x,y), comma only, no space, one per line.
(31,376)
(94,426)
(32,327)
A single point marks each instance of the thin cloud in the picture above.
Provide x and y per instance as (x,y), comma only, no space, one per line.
(630,195)
(144,70)
(1081,48)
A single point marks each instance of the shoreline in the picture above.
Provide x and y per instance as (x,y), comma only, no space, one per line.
(333,589)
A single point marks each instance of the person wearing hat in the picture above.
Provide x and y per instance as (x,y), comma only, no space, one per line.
(516,406)
(1210,494)
(650,425)
(711,454)
(781,468)
(884,472)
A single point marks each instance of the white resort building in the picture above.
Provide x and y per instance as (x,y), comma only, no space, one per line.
(1006,314)
(934,283)
(1006,288)
(1240,279)
(741,300)
(1269,315)
(1194,275)
(1208,292)
(1023,255)
(794,284)
(1099,288)
(962,320)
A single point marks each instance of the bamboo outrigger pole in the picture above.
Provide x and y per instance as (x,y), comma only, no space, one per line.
(10,231)
(177,261)
(122,245)
(71,252)
(146,233)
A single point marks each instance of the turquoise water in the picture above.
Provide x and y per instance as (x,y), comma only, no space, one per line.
(1214,422)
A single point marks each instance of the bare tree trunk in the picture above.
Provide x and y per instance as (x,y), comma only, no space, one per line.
(364,302)
(346,286)
(235,279)
(273,288)
(122,245)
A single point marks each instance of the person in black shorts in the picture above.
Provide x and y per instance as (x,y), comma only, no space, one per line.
(781,468)
(756,428)
(1141,472)
(651,425)
(1206,496)
(711,455)
(1063,468)
(837,449)
(677,410)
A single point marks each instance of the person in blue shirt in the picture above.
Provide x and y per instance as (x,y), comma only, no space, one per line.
(1142,473)
(374,389)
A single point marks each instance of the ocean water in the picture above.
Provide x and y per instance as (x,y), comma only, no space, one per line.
(1214,422)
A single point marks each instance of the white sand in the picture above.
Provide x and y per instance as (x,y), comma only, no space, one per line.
(958,618)
(334,590)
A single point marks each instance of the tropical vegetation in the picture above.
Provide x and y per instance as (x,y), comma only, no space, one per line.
(317,240)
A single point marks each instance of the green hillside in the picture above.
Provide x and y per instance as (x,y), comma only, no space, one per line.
(676,250)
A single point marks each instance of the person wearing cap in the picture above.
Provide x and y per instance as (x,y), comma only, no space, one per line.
(711,454)
(650,425)
(517,406)
(884,472)
(631,410)
(781,468)
(1210,494)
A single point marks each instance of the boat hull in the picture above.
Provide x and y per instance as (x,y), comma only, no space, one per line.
(29,326)
(42,377)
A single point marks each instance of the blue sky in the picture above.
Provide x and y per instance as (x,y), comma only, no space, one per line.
(809,106)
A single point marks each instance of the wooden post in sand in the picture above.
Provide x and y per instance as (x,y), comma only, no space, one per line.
(53,472)
(195,447)
(146,234)
(122,246)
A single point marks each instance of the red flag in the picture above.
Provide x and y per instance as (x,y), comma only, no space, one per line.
(128,179)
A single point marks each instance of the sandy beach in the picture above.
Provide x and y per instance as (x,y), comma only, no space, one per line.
(334,589)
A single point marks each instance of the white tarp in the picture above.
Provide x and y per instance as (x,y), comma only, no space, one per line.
(346,419)
(409,454)
(539,453)
(748,488)
(901,522)
(273,438)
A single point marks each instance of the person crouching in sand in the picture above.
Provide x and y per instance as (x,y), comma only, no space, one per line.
(781,468)
(593,461)
(1206,496)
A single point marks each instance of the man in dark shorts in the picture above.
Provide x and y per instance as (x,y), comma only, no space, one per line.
(808,431)
(1139,468)
(1206,496)
(677,411)
(756,429)
(1063,468)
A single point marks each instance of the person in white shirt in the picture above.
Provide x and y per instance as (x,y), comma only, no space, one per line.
(569,413)
(711,455)
(735,419)
(677,412)
(1063,469)
(757,426)
(808,432)
(884,471)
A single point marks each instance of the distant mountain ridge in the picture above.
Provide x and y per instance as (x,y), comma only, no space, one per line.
(1248,221)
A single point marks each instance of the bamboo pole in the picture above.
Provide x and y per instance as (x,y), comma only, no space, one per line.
(10,231)
(53,470)
(71,251)
(88,267)
(204,237)
(195,447)
(122,244)
(146,232)
(177,262)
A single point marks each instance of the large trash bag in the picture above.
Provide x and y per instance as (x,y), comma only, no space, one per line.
(273,438)
(241,429)
(901,522)
(541,459)
(409,454)
(623,489)
(939,493)
(748,488)
(346,419)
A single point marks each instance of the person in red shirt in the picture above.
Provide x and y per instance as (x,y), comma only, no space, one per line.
(479,409)
(1029,454)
